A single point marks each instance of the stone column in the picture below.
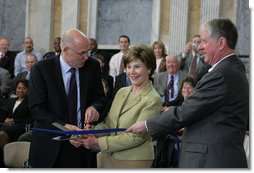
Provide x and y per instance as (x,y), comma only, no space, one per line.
(70,15)
(39,23)
(92,18)
(209,10)
(155,33)
(178,25)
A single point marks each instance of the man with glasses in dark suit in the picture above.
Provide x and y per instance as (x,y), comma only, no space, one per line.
(68,90)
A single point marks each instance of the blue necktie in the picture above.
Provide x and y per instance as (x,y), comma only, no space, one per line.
(72,98)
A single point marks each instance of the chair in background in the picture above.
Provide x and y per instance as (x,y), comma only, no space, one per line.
(16,154)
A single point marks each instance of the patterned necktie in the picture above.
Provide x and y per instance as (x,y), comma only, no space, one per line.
(72,98)
(193,69)
(170,89)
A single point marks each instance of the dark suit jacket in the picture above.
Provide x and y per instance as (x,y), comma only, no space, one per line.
(48,104)
(215,118)
(49,55)
(110,81)
(202,67)
(21,117)
(3,110)
(119,83)
(8,62)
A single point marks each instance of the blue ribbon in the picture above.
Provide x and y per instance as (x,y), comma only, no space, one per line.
(69,132)
(80,132)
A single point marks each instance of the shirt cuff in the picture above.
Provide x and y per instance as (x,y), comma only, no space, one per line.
(146,127)
(183,55)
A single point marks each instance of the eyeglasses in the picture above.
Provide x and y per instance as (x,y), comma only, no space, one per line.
(81,54)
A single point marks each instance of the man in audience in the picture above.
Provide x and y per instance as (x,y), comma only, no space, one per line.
(7,57)
(168,83)
(68,90)
(216,115)
(192,61)
(20,60)
(31,59)
(93,48)
(115,62)
(57,49)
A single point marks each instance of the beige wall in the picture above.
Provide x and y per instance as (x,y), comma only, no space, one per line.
(229,9)
(194,16)
(83,15)
(57,18)
(165,19)
(57,21)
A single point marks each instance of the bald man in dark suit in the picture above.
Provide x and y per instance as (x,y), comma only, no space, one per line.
(49,101)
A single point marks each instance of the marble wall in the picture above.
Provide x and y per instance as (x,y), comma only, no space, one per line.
(13,21)
(243,26)
(132,18)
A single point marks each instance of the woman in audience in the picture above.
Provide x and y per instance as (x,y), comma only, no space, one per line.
(187,86)
(18,115)
(167,155)
(131,104)
(160,54)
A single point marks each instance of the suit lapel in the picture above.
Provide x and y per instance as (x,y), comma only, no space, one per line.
(132,103)
(136,98)
(20,106)
(163,83)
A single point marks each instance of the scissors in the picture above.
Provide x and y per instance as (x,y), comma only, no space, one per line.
(78,134)
(68,136)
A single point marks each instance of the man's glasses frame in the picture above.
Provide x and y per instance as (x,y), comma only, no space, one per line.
(81,54)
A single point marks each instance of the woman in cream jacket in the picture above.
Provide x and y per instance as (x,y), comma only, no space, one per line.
(131,104)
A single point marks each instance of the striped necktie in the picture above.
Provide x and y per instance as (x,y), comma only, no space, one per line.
(169,91)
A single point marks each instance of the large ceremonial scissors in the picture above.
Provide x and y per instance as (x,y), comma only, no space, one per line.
(68,134)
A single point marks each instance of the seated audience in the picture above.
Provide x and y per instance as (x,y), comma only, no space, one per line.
(57,49)
(20,60)
(31,59)
(18,115)
(7,57)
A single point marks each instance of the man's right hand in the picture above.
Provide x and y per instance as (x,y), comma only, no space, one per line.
(138,127)
(188,47)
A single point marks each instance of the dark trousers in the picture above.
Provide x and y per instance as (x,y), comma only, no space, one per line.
(166,154)
(72,157)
